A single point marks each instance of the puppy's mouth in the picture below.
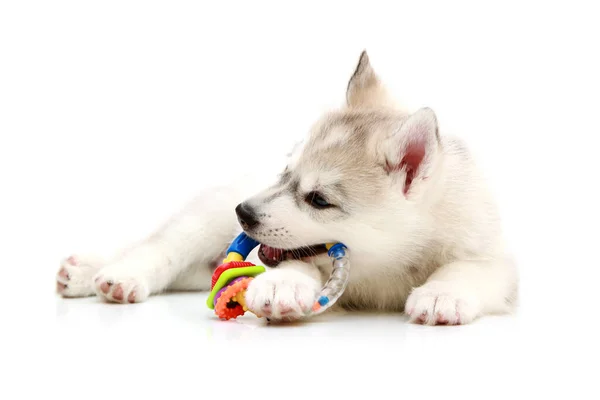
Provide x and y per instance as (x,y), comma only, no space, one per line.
(271,257)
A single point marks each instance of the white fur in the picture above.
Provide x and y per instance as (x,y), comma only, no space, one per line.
(435,252)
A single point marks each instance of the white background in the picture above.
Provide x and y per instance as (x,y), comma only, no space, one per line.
(114,113)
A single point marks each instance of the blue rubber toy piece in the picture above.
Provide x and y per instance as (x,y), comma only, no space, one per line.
(323,300)
(337,251)
(243,245)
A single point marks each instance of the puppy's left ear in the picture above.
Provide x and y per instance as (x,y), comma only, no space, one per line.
(365,89)
(412,149)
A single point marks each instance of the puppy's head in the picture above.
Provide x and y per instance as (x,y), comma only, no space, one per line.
(360,178)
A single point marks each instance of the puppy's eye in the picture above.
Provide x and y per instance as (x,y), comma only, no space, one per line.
(316,200)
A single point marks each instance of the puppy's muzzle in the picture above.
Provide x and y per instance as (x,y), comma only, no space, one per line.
(246,216)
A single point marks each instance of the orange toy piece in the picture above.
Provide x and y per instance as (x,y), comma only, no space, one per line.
(231,303)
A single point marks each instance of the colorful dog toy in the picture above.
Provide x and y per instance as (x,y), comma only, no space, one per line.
(231,279)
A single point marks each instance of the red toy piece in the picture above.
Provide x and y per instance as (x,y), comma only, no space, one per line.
(224,267)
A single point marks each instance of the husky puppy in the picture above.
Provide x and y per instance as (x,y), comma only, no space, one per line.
(423,233)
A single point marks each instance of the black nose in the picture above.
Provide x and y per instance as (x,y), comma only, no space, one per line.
(246,216)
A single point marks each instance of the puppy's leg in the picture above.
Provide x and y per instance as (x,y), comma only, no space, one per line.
(284,293)
(193,238)
(459,292)
(196,277)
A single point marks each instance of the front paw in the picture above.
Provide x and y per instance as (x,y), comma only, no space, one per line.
(441,303)
(74,278)
(282,294)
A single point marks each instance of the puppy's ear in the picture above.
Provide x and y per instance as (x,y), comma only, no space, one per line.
(412,149)
(365,90)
